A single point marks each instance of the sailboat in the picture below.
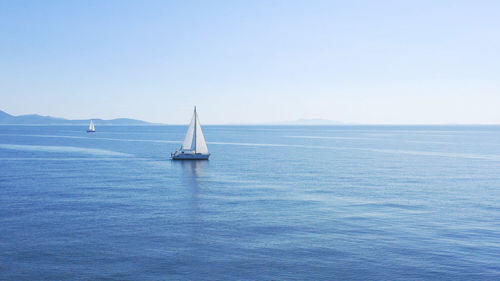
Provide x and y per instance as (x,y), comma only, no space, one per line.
(91,127)
(194,146)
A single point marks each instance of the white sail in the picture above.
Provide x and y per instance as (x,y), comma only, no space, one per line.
(201,145)
(188,143)
(194,140)
(91,126)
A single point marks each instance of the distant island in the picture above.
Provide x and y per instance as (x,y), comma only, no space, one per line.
(35,119)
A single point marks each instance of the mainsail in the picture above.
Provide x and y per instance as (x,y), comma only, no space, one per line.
(194,140)
(91,126)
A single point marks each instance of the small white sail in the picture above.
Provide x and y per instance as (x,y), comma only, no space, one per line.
(188,143)
(91,126)
(201,145)
(194,140)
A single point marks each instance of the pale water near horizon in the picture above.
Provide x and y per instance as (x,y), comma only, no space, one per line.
(272,203)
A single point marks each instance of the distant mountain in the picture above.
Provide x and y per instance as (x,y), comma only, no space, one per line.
(308,122)
(35,119)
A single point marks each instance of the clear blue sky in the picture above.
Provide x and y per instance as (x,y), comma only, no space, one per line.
(395,62)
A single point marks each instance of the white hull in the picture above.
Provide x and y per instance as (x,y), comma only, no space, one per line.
(179,155)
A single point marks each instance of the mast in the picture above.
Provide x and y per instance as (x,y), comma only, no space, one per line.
(194,136)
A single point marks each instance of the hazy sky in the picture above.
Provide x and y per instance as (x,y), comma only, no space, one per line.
(397,62)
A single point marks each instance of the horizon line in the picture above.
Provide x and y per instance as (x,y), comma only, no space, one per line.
(264,123)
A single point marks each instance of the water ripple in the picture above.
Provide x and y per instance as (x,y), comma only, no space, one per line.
(64,149)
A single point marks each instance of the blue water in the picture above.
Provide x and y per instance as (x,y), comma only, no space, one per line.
(273,203)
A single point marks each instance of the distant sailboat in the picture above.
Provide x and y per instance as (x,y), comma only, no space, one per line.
(194,146)
(91,127)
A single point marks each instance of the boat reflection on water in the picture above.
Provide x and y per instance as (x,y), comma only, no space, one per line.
(193,173)
(193,170)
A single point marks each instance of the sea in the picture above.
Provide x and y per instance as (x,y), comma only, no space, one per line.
(272,203)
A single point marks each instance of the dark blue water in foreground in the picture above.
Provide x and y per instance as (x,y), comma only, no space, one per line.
(273,203)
